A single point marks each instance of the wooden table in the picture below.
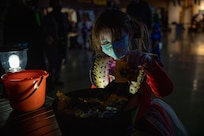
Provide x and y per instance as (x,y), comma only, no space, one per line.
(35,123)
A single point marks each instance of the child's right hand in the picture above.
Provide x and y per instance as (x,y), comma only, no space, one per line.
(138,60)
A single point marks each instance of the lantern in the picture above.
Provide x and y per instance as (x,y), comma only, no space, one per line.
(13,58)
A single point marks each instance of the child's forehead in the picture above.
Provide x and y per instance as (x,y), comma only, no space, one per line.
(105,31)
(106,34)
(111,34)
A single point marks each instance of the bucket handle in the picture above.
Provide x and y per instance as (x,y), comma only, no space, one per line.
(36,86)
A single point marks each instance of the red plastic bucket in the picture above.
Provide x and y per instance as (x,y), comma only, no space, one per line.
(25,89)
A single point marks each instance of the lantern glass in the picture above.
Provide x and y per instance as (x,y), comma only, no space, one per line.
(13,61)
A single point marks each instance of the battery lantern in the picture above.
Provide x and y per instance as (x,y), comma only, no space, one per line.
(14,58)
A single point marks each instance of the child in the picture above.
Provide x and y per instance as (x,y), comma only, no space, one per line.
(123,65)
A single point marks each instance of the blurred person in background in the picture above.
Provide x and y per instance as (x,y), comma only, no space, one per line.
(56,27)
(85,29)
(112,3)
(156,43)
(140,10)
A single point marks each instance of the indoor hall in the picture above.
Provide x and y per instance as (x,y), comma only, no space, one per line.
(183,58)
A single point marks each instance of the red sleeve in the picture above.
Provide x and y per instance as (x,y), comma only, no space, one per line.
(93,86)
(159,81)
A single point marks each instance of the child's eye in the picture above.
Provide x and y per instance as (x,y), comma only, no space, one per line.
(105,42)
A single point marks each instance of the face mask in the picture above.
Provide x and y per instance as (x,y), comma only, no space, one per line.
(117,49)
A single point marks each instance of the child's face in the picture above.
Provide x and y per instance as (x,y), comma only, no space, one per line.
(114,46)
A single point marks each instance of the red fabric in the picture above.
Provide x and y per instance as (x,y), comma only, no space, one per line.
(93,86)
(159,81)
(144,100)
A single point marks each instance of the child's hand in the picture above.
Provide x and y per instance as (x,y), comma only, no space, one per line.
(138,60)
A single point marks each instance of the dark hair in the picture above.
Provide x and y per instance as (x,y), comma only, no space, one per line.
(117,21)
(53,3)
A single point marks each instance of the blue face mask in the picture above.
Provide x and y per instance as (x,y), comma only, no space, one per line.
(117,49)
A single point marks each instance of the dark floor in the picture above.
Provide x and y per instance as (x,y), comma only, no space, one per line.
(183,57)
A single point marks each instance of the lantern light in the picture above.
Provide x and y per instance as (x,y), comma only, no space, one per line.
(14,62)
(13,59)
